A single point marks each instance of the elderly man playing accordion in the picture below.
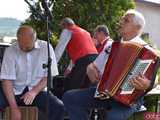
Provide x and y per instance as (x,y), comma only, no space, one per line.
(79,102)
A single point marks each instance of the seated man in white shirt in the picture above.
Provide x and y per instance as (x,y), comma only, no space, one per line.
(79,102)
(23,77)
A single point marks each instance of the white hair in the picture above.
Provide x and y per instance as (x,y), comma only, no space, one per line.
(138,18)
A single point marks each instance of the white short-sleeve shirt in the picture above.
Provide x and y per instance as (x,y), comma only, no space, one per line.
(26,68)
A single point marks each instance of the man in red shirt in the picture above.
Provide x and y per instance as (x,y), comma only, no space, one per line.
(81,50)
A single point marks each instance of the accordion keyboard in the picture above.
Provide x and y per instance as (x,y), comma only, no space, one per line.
(140,66)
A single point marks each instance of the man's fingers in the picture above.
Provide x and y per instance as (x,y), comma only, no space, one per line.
(25,100)
(28,101)
(28,97)
(136,83)
(140,82)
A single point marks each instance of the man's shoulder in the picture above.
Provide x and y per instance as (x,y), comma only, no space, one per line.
(41,43)
(12,47)
(149,47)
(11,50)
(66,32)
(108,44)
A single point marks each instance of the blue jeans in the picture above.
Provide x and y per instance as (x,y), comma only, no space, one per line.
(56,107)
(79,102)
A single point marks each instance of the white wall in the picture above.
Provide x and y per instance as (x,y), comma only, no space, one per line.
(151,13)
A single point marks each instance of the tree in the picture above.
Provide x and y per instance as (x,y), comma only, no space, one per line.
(89,13)
(86,13)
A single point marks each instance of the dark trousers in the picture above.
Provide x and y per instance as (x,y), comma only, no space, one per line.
(78,78)
(56,107)
(79,102)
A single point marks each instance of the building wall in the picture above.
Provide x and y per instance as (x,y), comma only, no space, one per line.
(151,13)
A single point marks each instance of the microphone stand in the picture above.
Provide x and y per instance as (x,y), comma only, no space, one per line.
(49,76)
(38,14)
(48,65)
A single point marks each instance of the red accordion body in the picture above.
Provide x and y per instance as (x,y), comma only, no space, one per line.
(121,61)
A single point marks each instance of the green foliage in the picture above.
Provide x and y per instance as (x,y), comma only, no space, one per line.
(89,13)
(86,13)
(54,39)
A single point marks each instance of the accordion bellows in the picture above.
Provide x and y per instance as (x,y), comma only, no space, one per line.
(120,67)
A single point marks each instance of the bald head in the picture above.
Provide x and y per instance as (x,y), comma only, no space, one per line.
(66,22)
(26,37)
(131,25)
(138,18)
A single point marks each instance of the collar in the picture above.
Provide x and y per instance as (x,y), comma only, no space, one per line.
(138,40)
(36,45)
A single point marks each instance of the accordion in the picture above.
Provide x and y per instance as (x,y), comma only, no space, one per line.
(126,60)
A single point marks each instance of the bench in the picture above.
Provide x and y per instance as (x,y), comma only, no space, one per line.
(28,113)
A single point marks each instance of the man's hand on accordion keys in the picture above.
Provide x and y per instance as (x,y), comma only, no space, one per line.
(93,73)
(140,82)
